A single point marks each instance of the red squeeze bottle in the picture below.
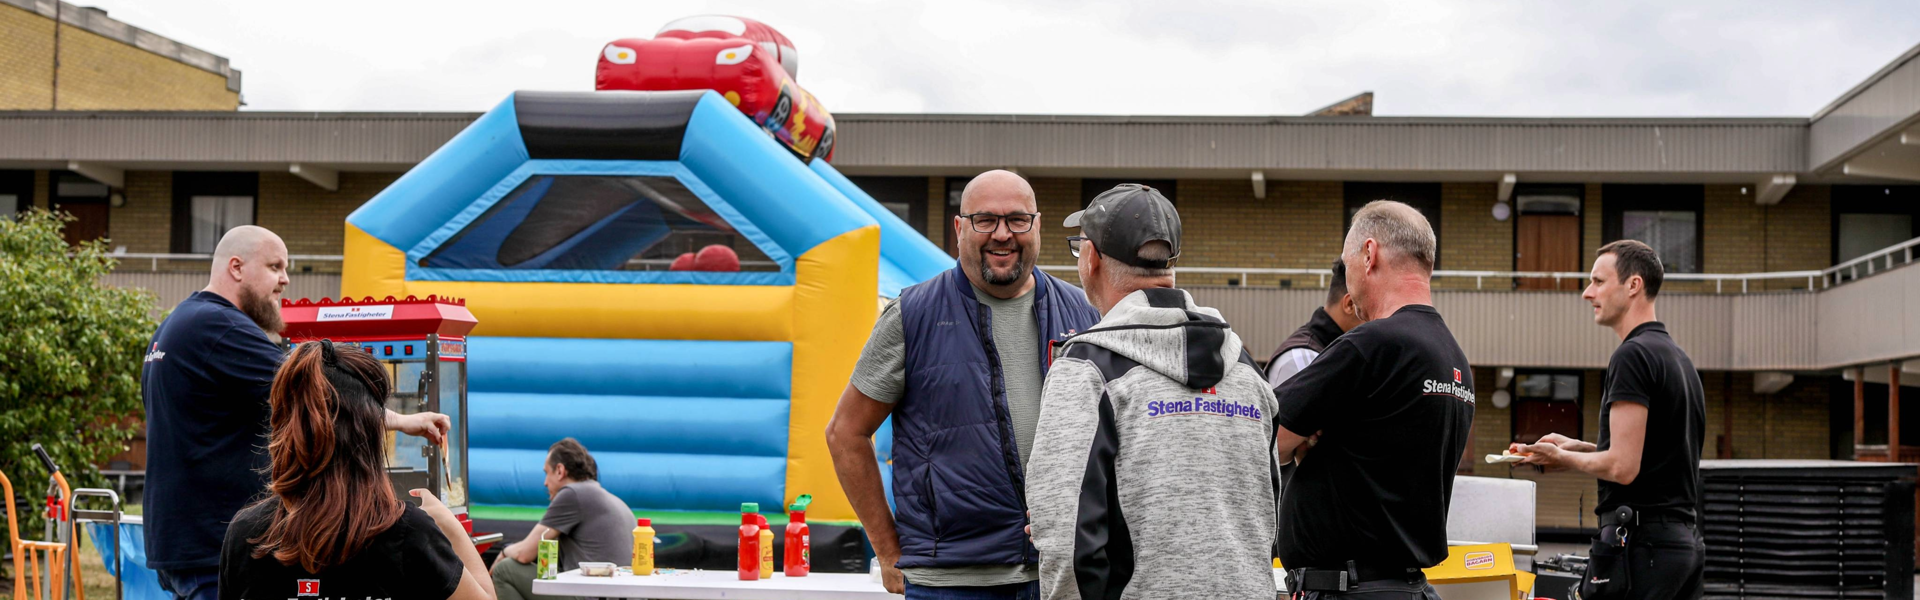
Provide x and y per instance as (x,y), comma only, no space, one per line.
(749,542)
(799,543)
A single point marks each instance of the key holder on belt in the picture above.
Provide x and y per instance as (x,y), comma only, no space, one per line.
(1620,527)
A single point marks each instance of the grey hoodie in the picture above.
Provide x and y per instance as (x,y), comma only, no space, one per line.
(1152,473)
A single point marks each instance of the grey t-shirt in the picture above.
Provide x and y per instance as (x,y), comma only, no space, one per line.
(881,374)
(594,525)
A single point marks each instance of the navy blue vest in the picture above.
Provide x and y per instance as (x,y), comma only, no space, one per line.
(959,494)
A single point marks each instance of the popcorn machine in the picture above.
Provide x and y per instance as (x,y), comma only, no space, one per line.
(423,344)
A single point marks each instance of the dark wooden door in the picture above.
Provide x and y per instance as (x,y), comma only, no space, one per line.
(1548,243)
(90,220)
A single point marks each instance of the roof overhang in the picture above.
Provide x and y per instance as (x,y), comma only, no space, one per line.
(1873,131)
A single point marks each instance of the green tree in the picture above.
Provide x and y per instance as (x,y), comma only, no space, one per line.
(70,355)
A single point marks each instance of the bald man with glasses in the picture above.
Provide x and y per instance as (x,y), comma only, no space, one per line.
(958,362)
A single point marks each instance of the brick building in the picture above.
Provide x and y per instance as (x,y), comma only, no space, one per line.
(57,56)
(1768,225)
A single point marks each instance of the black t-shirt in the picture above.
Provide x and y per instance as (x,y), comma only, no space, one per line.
(208,372)
(1394,398)
(1650,370)
(411,560)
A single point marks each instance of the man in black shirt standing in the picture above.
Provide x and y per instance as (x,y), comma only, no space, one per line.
(1392,401)
(205,383)
(1652,420)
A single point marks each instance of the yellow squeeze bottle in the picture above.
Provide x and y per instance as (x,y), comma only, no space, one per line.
(643,547)
(766,549)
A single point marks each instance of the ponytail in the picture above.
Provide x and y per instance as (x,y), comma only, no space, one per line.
(328,476)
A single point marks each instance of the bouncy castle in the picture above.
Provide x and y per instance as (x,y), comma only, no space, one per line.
(559,216)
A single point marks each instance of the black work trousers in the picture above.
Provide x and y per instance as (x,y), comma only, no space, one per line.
(1667,562)
(1377,590)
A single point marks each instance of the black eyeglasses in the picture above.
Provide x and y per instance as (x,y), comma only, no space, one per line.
(1073,244)
(989,222)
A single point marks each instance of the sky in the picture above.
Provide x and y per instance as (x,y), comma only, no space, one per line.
(1718,58)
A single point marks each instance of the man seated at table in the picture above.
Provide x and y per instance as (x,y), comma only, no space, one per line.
(591,523)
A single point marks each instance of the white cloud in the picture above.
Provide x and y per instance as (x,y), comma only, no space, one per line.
(1505,58)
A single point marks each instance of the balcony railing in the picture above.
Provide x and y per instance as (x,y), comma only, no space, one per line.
(153,261)
(1878,261)
(1720,281)
(1867,265)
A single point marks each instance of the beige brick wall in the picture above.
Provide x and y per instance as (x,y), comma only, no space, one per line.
(310,219)
(1470,238)
(1591,221)
(1732,225)
(1297,226)
(1056,198)
(937,224)
(145,222)
(1799,235)
(40,189)
(26,60)
(96,72)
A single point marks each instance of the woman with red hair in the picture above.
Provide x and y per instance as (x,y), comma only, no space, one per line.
(332,526)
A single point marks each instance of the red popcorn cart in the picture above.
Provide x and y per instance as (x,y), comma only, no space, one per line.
(423,344)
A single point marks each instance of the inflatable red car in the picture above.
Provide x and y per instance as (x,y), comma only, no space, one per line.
(749,63)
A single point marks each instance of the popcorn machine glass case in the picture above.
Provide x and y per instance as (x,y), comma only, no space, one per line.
(422,343)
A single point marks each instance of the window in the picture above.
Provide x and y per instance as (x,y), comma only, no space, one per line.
(1666,217)
(1670,233)
(906,197)
(207,205)
(16,193)
(1545,403)
(1094,187)
(1867,218)
(1424,197)
(213,216)
(1549,199)
(598,222)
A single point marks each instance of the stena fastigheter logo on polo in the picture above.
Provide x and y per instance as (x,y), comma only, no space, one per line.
(1436,387)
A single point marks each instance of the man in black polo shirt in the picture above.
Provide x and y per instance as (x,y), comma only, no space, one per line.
(205,383)
(1652,420)
(1393,401)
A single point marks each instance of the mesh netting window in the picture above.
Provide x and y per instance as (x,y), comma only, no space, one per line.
(600,222)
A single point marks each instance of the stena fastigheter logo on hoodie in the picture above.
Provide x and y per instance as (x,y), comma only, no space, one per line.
(1216,406)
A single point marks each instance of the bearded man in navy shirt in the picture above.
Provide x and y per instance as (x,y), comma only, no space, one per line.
(205,384)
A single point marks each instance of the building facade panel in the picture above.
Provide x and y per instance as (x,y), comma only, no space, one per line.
(257,140)
(1870,320)
(1885,101)
(1324,144)
(1774,330)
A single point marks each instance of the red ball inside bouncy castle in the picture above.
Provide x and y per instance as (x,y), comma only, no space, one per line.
(716,258)
(683,262)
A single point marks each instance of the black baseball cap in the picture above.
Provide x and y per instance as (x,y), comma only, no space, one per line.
(1121,220)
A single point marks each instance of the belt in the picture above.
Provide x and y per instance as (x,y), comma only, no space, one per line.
(1641,517)
(1309,579)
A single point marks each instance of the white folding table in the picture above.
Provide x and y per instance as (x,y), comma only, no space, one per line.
(715,585)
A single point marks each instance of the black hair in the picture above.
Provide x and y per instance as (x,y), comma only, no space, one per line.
(1633,258)
(1337,285)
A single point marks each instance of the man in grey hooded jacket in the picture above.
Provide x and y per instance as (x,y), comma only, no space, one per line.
(1152,473)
